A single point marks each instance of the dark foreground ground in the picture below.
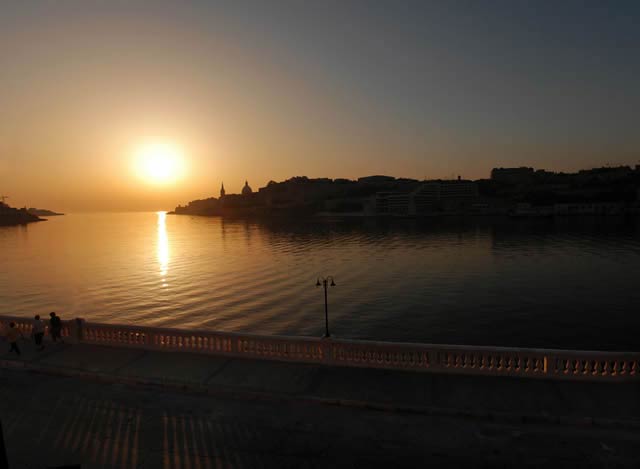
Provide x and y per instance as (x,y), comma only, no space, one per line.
(129,408)
(52,421)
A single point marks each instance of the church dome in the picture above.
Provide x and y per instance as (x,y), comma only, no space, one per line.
(246,190)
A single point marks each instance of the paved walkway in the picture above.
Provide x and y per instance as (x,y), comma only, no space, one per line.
(51,421)
(75,408)
(574,402)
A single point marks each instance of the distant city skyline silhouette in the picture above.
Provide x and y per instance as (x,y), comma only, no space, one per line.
(245,187)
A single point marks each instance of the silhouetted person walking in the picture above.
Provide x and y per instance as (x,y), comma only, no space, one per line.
(12,336)
(55,327)
(38,331)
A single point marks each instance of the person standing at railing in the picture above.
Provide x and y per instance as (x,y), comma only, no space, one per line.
(38,331)
(55,327)
(13,334)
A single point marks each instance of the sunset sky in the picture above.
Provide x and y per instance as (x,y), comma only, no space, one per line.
(264,90)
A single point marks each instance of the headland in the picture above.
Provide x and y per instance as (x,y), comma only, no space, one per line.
(516,192)
(10,216)
(42,212)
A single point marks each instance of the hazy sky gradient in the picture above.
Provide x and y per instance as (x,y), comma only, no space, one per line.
(263,90)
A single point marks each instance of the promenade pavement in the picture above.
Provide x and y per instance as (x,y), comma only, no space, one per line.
(119,407)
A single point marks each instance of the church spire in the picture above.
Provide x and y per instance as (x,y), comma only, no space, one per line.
(222,192)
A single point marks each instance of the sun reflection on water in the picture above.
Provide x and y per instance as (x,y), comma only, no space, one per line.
(163,246)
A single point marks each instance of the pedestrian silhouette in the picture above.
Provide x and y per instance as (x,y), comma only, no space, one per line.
(38,331)
(55,327)
(12,335)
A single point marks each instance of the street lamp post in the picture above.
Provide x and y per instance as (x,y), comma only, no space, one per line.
(324,281)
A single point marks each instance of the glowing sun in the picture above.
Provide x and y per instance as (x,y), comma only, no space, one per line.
(159,162)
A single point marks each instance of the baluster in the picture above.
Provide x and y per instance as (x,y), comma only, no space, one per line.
(444,359)
(483,362)
(622,367)
(470,360)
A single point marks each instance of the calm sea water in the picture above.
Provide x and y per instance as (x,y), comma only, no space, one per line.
(566,283)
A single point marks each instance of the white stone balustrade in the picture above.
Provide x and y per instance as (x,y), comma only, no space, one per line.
(492,361)
(25,325)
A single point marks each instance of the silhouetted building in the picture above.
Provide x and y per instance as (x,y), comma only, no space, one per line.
(429,198)
(394,203)
(301,191)
(445,196)
(246,190)
(222,191)
(376,179)
(522,175)
(603,175)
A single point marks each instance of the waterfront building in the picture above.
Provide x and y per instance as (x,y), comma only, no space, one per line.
(222,191)
(447,196)
(246,190)
(430,197)
(394,203)
(448,189)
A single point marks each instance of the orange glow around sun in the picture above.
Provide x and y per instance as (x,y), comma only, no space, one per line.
(159,162)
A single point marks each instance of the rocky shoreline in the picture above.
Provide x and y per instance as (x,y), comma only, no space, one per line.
(10,216)
(41,212)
